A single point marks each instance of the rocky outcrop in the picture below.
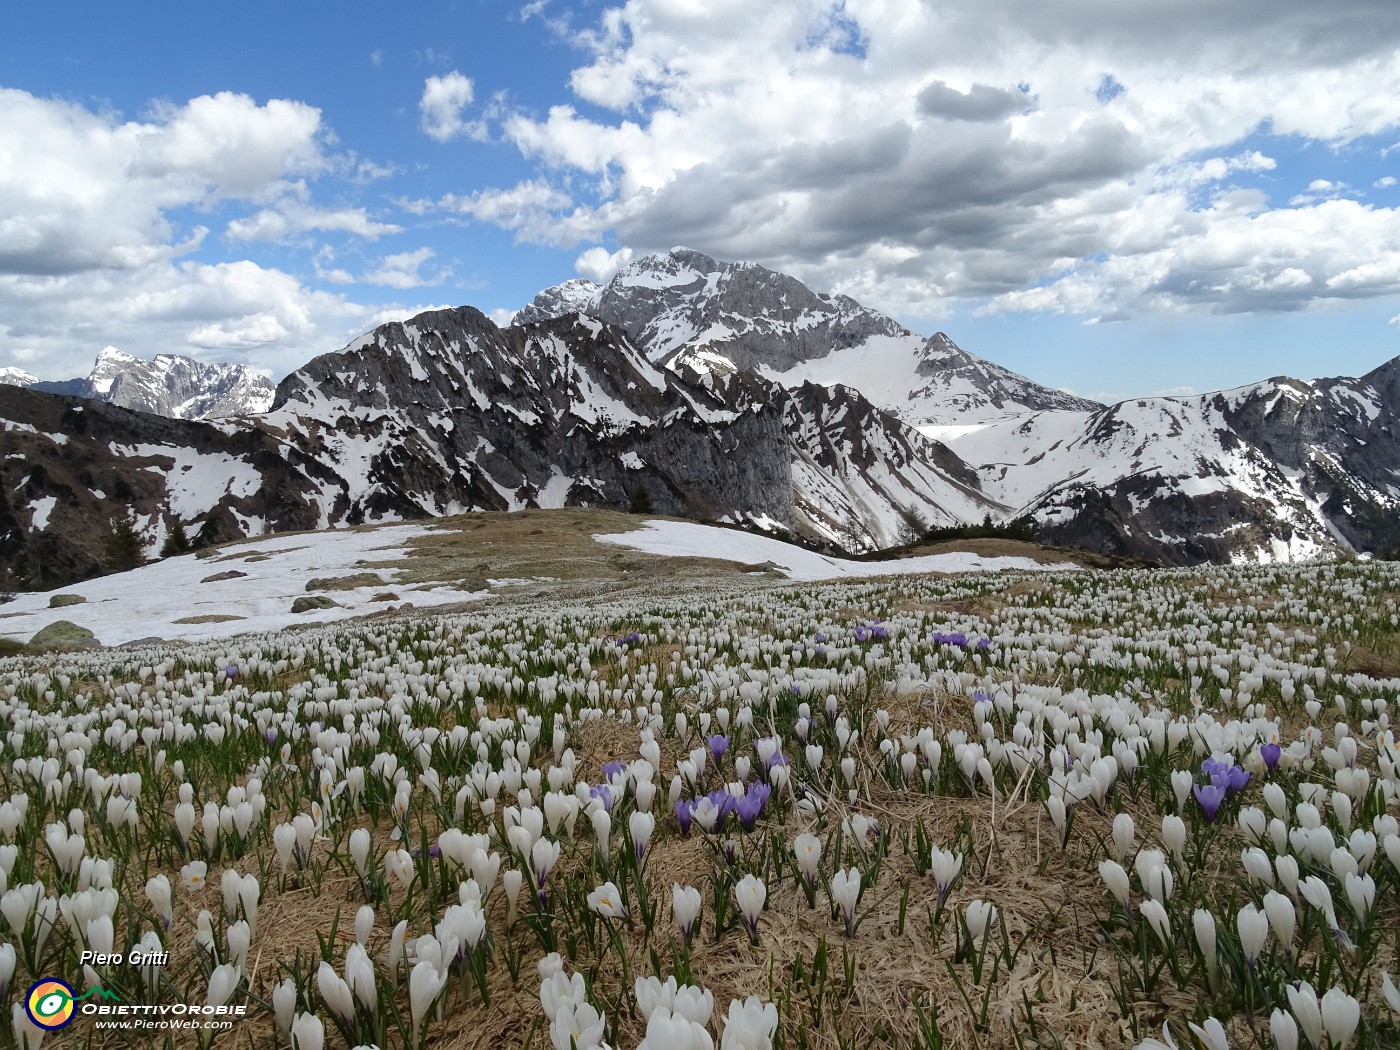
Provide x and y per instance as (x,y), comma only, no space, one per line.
(447,412)
(169,385)
(71,464)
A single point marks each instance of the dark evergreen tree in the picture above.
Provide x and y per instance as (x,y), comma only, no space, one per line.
(176,542)
(123,548)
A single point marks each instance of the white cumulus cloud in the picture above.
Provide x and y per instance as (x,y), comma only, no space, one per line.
(440,108)
(598,264)
(401,270)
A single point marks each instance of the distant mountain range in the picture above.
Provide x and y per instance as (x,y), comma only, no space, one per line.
(167,385)
(715,391)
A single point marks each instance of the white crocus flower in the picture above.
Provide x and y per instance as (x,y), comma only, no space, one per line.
(750,894)
(308,1032)
(980,916)
(1116,879)
(223,981)
(1156,917)
(946,867)
(685,906)
(1390,993)
(1283,918)
(1211,1034)
(1302,1000)
(1253,927)
(1284,1030)
(577,1026)
(1341,1014)
(425,984)
(284,1002)
(845,892)
(606,901)
(1203,923)
(1124,832)
(750,1025)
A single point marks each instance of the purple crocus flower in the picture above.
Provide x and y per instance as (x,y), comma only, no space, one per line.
(1215,770)
(878,631)
(612,769)
(602,791)
(685,813)
(719,744)
(1236,777)
(984,643)
(1210,796)
(270,735)
(956,638)
(1270,753)
(981,698)
(724,802)
(862,633)
(231,671)
(821,637)
(752,803)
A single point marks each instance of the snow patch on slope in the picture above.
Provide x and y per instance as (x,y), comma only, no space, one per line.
(150,600)
(680,539)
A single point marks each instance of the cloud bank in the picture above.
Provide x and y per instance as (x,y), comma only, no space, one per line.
(1085,157)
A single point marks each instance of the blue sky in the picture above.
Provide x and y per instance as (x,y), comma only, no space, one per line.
(1183,196)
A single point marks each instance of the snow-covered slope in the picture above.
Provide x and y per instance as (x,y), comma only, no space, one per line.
(1277,470)
(250,587)
(17,377)
(683,539)
(687,310)
(169,385)
(447,412)
(865,481)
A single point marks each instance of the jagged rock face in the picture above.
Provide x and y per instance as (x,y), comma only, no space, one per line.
(864,481)
(71,464)
(970,385)
(686,310)
(577,296)
(169,385)
(447,412)
(1279,470)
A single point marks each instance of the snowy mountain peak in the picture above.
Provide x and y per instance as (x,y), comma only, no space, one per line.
(689,311)
(109,364)
(17,377)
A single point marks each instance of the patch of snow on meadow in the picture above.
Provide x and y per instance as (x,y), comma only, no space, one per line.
(147,602)
(681,539)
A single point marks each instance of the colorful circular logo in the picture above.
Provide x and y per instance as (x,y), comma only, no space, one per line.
(49,1003)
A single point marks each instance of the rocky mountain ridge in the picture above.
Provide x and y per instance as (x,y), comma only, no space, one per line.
(166,385)
(685,308)
(447,413)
